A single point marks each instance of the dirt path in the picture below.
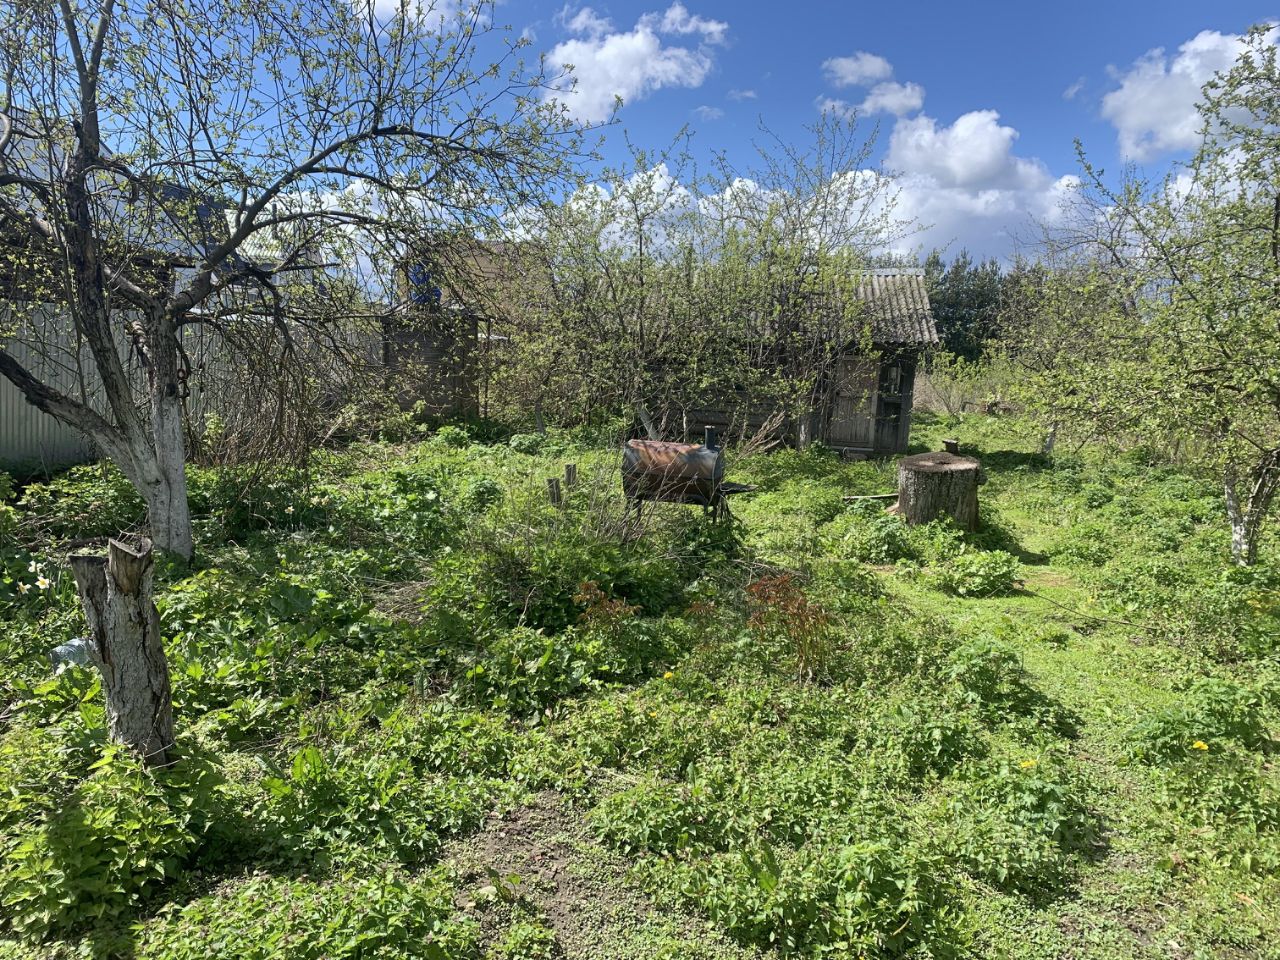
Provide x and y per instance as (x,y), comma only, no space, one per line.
(541,859)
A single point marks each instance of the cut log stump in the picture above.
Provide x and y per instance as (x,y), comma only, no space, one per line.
(124,644)
(931,485)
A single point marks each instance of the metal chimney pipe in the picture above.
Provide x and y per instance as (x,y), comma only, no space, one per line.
(709,438)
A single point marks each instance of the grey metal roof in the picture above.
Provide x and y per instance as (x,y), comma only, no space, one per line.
(897,302)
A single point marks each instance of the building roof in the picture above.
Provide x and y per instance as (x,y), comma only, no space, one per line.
(897,302)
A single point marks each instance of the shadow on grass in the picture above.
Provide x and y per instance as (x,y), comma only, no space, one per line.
(994,535)
(1007,461)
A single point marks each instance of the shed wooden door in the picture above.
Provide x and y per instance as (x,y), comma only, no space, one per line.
(853,412)
(889,411)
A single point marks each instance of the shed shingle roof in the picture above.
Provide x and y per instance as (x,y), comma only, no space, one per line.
(897,302)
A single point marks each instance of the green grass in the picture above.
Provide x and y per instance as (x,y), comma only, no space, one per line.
(424,713)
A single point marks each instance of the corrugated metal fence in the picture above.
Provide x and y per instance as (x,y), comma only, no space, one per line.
(33,442)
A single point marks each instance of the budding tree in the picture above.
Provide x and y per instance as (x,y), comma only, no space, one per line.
(170,165)
(656,293)
(1182,282)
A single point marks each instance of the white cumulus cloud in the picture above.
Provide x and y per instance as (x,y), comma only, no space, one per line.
(608,63)
(439,15)
(855,71)
(868,70)
(705,112)
(964,184)
(1154,107)
(895,98)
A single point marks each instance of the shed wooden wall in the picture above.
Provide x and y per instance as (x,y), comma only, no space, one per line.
(849,420)
(430,357)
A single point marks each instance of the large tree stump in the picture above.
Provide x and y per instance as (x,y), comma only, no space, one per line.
(125,646)
(931,485)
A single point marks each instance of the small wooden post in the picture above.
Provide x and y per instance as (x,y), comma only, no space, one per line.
(125,646)
(570,476)
(553,490)
(951,446)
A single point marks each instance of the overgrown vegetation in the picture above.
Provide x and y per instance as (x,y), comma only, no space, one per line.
(812,731)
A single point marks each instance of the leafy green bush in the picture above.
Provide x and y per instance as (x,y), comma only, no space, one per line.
(932,739)
(530,444)
(878,898)
(526,939)
(1233,618)
(1097,495)
(452,436)
(480,492)
(1218,787)
(359,805)
(8,515)
(655,816)
(819,500)
(1212,712)
(404,503)
(658,728)
(526,671)
(88,501)
(1015,824)
(989,675)
(937,542)
(268,649)
(1086,543)
(351,917)
(978,574)
(534,579)
(92,855)
(235,502)
(870,535)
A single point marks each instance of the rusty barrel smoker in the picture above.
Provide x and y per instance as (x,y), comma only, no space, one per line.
(677,473)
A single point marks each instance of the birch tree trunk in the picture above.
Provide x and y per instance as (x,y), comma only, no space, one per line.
(1248,514)
(125,646)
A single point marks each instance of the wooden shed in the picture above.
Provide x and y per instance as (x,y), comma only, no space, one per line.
(430,339)
(863,405)
(869,406)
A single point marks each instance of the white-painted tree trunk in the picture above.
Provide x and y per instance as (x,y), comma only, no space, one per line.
(168,512)
(125,646)
(1050,440)
(1247,515)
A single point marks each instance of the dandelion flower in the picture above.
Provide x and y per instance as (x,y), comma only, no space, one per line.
(43,582)
(668,675)
(1028,764)
(1199,745)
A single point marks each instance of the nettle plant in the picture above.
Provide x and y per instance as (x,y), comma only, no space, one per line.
(978,573)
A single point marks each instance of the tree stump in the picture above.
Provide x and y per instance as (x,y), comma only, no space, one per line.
(931,485)
(125,646)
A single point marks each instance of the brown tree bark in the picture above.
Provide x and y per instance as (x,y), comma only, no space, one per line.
(931,485)
(125,646)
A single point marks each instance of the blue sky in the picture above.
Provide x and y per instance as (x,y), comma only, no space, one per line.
(978,103)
